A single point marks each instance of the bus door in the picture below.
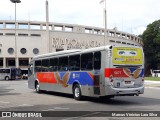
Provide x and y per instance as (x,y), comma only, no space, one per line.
(97,74)
(96,83)
(2,74)
(13,73)
(32,77)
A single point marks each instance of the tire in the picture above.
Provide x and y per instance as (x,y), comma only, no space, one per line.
(77,92)
(37,88)
(6,78)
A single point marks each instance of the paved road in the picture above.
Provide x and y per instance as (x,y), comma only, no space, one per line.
(15,96)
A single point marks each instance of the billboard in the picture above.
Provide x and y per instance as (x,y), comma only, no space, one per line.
(127,56)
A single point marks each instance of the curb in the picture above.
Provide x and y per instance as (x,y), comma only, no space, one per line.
(151,82)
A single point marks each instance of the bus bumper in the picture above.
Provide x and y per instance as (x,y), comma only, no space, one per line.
(124,91)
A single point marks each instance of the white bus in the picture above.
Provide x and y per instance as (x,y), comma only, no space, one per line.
(103,71)
(155,73)
(10,73)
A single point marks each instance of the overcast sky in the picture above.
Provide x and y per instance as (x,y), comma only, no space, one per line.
(130,16)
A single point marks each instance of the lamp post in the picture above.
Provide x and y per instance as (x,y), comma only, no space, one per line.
(47,28)
(105,21)
(16,60)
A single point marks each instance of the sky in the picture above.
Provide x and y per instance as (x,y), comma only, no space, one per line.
(131,16)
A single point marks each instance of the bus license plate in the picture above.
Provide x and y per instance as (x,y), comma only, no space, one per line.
(127,82)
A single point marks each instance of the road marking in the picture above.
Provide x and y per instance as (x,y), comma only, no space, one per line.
(85,115)
(57,108)
(2,107)
(61,108)
(49,110)
(25,105)
(4,102)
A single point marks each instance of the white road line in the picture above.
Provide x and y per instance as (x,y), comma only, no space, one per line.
(57,108)
(49,110)
(25,105)
(61,108)
(4,102)
(82,116)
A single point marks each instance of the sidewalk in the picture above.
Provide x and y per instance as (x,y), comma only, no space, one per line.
(152,83)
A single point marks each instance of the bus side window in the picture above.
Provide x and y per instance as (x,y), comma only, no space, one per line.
(53,66)
(97,60)
(45,65)
(38,66)
(63,64)
(74,63)
(7,71)
(87,61)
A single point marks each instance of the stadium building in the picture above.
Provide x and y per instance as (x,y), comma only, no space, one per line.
(32,38)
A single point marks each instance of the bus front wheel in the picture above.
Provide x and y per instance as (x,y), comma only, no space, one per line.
(77,92)
(37,87)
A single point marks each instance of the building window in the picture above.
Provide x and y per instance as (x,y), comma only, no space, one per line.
(23,50)
(35,50)
(36,35)
(11,34)
(10,50)
(1,62)
(23,62)
(57,50)
(10,62)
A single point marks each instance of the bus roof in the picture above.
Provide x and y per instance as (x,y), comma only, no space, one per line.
(66,52)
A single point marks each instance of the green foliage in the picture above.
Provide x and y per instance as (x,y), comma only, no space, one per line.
(152,78)
(151,40)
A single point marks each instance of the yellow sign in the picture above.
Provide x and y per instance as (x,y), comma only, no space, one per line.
(127,56)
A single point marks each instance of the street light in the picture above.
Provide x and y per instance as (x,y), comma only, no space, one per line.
(16,61)
(105,21)
(47,28)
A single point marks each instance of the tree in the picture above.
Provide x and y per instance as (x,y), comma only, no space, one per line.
(151,40)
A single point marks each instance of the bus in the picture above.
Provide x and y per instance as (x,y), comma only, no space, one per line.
(10,73)
(155,73)
(105,71)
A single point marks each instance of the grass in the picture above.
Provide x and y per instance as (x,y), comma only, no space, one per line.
(152,78)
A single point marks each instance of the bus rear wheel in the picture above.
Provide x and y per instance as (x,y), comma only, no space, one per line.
(37,88)
(6,78)
(77,92)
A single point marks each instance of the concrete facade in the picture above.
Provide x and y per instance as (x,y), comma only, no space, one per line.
(31,40)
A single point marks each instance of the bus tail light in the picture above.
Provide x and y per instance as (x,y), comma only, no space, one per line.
(142,79)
